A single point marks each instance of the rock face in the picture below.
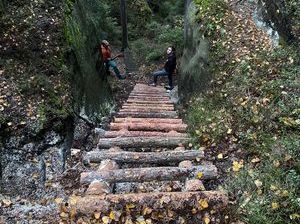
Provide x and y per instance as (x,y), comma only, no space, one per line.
(84,31)
(194,74)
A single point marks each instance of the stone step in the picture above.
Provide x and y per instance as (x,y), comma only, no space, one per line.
(148,127)
(139,142)
(208,172)
(189,203)
(121,156)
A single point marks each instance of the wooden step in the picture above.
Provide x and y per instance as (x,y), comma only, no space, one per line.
(148,127)
(142,97)
(169,114)
(145,110)
(177,202)
(148,120)
(138,142)
(150,102)
(208,172)
(137,106)
(126,133)
(143,157)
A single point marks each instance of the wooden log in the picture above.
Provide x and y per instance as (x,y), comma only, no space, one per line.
(177,202)
(137,106)
(151,110)
(125,133)
(148,127)
(150,174)
(150,120)
(169,114)
(165,157)
(138,142)
(152,95)
(132,97)
(150,102)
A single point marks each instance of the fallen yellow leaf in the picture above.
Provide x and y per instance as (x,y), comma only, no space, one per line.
(199,175)
(105,219)
(236,166)
(275,205)
(220,156)
(112,215)
(203,204)
(206,220)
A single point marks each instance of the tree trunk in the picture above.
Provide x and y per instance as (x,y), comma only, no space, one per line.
(143,157)
(125,133)
(149,174)
(139,142)
(148,127)
(150,120)
(170,114)
(124,24)
(172,201)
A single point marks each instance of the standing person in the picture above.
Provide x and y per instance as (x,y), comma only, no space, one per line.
(109,60)
(168,69)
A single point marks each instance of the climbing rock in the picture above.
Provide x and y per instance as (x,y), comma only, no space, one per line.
(98,187)
(108,164)
(185,164)
(194,185)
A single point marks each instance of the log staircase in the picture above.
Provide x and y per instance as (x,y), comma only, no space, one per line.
(146,153)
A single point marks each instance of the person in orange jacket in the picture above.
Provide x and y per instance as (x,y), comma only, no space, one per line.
(109,60)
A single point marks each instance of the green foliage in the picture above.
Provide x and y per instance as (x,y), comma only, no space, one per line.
(278,172)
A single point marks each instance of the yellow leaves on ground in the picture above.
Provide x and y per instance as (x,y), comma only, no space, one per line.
(147,211)
(106,219)
(97,215)
(258,183)
(58,200)
(112,215)
(255,160)
(6,203)
(199,175)
(206,219)
(276,163)
(203,204)
(275,205)
(295,216)
(129,206)
(236,166)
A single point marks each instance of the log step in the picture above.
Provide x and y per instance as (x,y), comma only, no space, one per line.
(148,127)
(126,133)
(139,97)
(145,110)
(150,102)
(169,114)
(137,106)
(138,142)
(208,172)
(148,120)
(177,202)
(142,157)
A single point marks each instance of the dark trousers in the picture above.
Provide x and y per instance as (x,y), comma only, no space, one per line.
(163,72)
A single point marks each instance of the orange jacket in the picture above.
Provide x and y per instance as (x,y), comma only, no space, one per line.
(106,53)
